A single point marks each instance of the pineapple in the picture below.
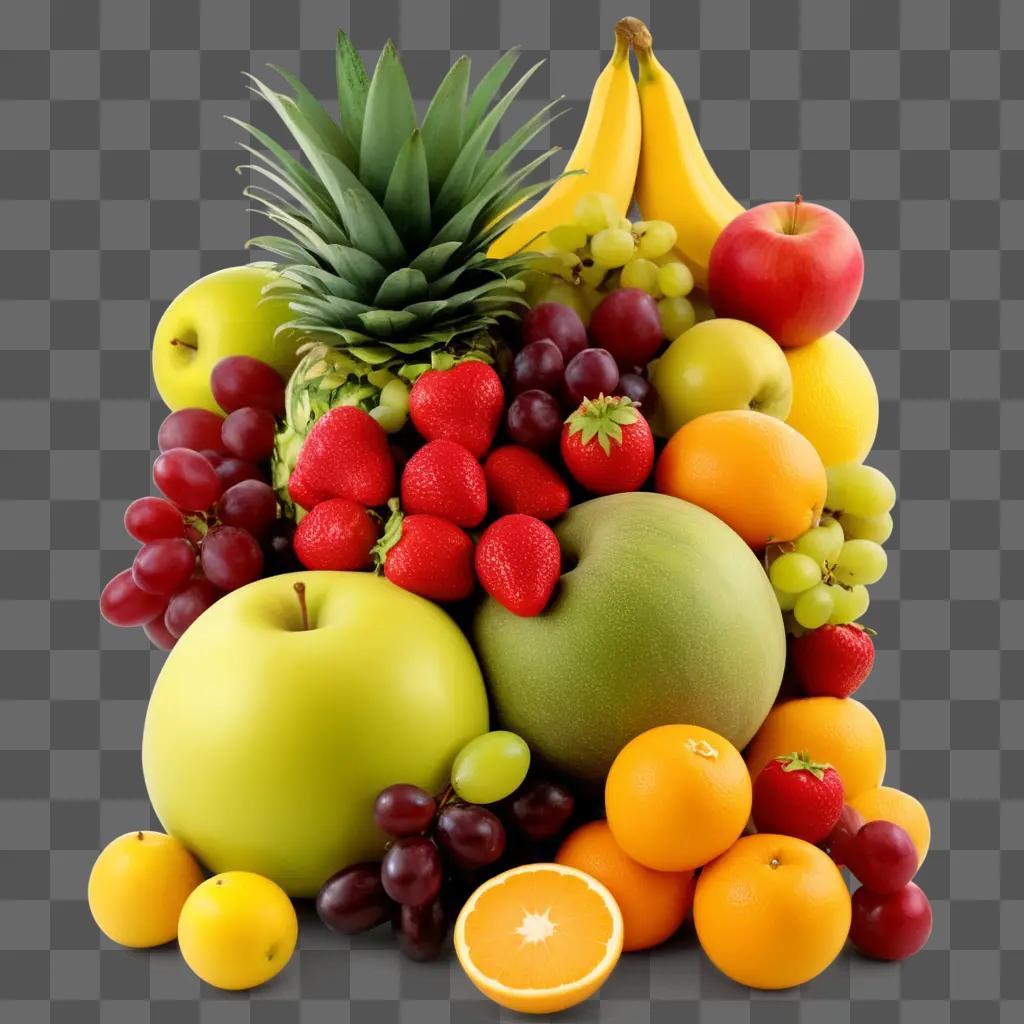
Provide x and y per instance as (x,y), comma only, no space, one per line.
(384,262)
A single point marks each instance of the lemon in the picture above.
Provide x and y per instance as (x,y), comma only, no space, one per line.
(835,402)
(888,804)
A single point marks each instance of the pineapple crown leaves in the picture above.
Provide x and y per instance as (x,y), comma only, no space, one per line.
(602,418)
(390,537)
(797,762)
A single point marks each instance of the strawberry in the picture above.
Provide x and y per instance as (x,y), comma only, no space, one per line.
(336,534)
(426,555)
(444,479)
(794,796)
(832,661)
(607,445)
(518,562)
(463,404)
(345,455)
(519,480)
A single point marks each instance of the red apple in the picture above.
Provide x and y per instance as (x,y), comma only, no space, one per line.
(793,269)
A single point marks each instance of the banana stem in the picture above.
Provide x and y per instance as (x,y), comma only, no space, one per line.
(633,32)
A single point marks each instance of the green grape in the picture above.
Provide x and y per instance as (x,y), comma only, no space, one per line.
(624,224)
(395,395)
(640,273)
(860,561)
(862,490)
(490,767)
(391,419)
(565,265)
(593,276)
(822,543)
(676,316)
(794,573)
(813,607)
(675,279)
(656,239)
(786,601)
(594,212)
(612,247)
(567,238)
(848,604)
(567,295)
(876,528)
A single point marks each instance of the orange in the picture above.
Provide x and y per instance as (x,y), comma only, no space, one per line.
(887,804)
(677,796)
(751,470)
(773,912)
(840,732)
(653,903)
(539,938)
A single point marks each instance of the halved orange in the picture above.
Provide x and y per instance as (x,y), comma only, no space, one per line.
(539,938)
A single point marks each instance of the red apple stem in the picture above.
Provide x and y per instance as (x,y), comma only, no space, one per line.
(300,593)
(184,344)
(797,200)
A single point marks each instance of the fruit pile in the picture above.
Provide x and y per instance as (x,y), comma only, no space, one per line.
(512,564)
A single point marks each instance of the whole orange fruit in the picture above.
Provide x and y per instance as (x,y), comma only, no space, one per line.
(772,912)
(837,731)
(677,796)
(753,471)
(653,903)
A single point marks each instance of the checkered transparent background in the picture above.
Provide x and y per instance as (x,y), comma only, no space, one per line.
(117,188)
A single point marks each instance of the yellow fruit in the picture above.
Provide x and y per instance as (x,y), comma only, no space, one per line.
(237,930)
(137,888)
(835,402)
(772,912)
(840,732)
(883,803)
(539,938)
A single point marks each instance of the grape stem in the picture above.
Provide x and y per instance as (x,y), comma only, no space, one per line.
(300,593)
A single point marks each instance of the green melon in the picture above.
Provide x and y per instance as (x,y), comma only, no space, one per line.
(667,616)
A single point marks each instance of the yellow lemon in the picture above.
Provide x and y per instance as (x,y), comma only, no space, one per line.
(883,803)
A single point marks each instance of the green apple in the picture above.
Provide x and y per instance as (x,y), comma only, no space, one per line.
(222,314)
(721,364)
(266,742)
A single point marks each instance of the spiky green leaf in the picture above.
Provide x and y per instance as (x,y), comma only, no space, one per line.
(389,118)
(357,266)
(442,123)
(407,200)
(401,288)
(434,258)
(486,90)
(353,85)
(369,228)
(384,323)
(332,138)
(497,163)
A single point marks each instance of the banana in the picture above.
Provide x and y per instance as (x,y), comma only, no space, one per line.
(607,150)
(675,181)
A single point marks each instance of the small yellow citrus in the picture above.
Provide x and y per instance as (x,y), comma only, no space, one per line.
(883,803)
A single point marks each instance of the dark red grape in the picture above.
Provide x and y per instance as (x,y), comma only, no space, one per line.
(187,479)
(472,836)
(557,323)
(188,604)
(250,504)
(403,810)
(838,841)
(278,554)
(158,633)
(354,900)
(151,518)
(627,324)
(249,433)
(422,931)
(190,428)
(893,926)
(538,365)
(411,871)
(162,566)
(123,603)
(233,471)
(640,389)
(882,856)
(591,373)
(230,557)
(237,381)
(541,809)
(535,420)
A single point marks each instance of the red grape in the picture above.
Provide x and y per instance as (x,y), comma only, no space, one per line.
(627,324)
(403,810)
(278,554)
(557,323)
(354,900)
(230,557)
(591,373)
(893,926)
(250,504)
(640,389)
(188,604)
(234,471)
(158,633)
(122,603)
(249,433)
(190,428)
(843,833)
(882,856)
(541,809)
(148,519)
(473,836)
(237,381)
(538,365)
(534,420)
(187,479)
(162,566)
(422,931)
(411,871)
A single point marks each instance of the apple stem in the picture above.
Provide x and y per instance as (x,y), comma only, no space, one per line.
(300,593)
(184,344)
(797,200)
(139,835)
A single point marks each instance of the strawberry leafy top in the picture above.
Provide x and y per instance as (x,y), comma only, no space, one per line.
(801,762)
(391,536)
(602,418)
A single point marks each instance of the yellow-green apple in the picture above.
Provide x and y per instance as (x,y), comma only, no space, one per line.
(270,733)
(720,364)
(221,314)
(793,269)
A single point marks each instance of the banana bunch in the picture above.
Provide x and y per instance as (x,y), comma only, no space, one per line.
(636,137)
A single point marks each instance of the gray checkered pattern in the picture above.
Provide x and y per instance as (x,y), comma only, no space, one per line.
(117,188)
